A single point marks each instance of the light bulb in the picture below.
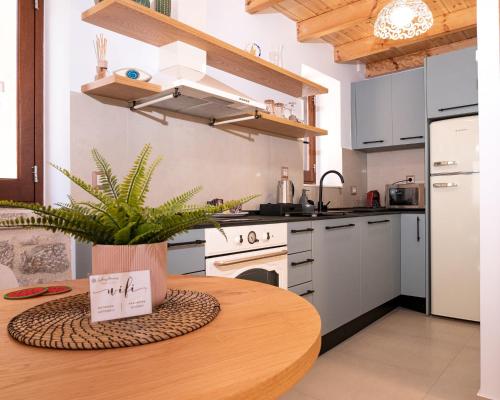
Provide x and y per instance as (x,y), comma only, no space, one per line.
(402,16)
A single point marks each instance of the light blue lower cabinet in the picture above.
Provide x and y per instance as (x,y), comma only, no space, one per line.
(305,290)
(299,236)
(186,253)
(413,274)
(336,271)
(380,260)
(300,268)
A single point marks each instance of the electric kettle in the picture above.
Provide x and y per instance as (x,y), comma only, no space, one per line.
(286,188)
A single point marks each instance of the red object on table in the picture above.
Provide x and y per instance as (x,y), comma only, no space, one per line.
(25,293)
(53,290)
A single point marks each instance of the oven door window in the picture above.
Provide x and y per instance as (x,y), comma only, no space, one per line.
(261,275)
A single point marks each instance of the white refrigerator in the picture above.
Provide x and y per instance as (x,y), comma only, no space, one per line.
(454,218)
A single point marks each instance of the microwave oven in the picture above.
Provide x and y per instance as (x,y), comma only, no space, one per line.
(407,195)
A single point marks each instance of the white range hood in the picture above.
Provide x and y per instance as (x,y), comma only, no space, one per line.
(187,89)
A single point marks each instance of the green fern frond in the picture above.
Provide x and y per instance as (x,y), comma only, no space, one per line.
(147,181)
(63,220)
(174,205)
(78,234)
(133,183)
(108,181)
(96,193)
(119,216)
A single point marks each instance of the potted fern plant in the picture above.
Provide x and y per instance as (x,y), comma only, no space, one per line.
(126,234)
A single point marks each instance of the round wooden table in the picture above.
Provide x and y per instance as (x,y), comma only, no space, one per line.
(262,342)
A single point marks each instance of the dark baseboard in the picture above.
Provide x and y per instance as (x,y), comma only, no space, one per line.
(413,303)
(337,336)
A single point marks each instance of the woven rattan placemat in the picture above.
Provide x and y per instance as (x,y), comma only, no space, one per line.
(65,323)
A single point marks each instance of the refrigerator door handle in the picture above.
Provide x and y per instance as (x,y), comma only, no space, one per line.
(444,185)
(444,163)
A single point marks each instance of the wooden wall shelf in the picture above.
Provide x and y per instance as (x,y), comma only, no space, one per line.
(281,126)
(120,88)
(136,21)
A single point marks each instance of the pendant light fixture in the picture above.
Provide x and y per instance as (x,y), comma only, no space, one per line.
(403,19)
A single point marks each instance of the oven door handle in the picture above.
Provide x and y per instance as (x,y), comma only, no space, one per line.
(251,258)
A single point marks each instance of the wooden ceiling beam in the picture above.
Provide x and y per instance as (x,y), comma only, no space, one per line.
(443,25)
(338,20)
(414,60)
(254,6)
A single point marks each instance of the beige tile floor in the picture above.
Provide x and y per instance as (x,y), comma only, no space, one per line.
(405,355)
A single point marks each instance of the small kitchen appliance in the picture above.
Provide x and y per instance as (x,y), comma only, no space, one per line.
(281,210)
(373,199)
(286,189)
(405,195)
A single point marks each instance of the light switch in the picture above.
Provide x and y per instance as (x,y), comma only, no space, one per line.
(354,190)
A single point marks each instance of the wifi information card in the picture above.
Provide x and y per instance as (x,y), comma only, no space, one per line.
(119,295)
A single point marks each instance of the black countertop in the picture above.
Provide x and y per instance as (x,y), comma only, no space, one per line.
(255,219)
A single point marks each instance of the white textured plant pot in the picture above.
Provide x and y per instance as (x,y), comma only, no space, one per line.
(108,259)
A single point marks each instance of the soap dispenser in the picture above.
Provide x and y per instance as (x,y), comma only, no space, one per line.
(307,208)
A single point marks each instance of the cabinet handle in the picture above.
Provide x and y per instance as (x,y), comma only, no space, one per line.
(379,222)
(418,229)
(302,230)
(309,260)
(198,242)
(444,163)
(444,185)
(373,141)
(328,228)
(306,293)
(411,137)
(455,107)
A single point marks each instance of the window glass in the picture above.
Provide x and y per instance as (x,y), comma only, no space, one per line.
(8,90)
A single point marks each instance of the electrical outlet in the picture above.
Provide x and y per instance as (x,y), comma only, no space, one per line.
(410,178)
(96,180)
(354,190)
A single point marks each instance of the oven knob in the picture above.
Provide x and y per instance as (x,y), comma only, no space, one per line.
(238,239)
(252,237)
(266,236)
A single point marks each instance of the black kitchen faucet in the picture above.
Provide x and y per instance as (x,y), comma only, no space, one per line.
(322,207)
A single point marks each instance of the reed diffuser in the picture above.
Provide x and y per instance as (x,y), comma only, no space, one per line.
(100,48)
(163,6)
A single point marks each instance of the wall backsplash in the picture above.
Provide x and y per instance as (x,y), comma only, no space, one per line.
(354,172)
(227,164)
(391,166)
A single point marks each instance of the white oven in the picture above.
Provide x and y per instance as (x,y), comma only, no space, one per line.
(253,252)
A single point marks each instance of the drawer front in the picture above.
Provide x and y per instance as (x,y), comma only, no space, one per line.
(300,268)
(185,257)
(304,290)
(299,236)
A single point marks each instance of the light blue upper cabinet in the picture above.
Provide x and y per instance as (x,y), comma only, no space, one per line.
(452,83)
(408,107)
(372,113)
(389,110)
